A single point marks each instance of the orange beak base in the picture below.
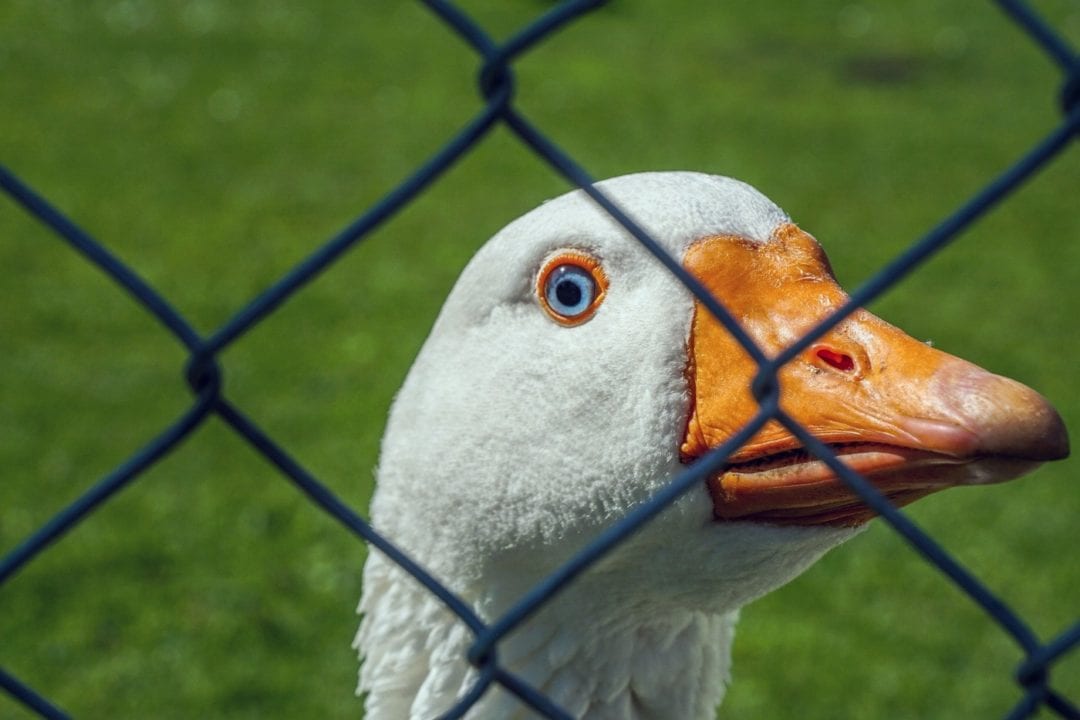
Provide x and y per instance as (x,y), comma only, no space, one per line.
(911,419)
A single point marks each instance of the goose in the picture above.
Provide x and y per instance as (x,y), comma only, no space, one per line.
(569,376)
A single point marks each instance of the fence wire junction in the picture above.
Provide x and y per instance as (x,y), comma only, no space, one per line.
(497,87)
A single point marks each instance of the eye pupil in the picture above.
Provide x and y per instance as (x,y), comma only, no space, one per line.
(568,293)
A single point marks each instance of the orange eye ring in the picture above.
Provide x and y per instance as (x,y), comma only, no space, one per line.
(570,287)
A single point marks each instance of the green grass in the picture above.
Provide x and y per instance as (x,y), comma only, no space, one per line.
(212,145)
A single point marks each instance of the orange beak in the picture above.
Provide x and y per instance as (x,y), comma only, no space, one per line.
(911,419)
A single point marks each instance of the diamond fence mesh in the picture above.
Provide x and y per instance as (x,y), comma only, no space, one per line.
(498,88)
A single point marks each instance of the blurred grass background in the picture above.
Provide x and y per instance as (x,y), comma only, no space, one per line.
(212,145)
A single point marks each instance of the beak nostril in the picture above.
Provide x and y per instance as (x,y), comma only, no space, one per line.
(835,359)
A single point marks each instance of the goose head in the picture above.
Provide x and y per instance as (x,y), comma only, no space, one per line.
(569,376)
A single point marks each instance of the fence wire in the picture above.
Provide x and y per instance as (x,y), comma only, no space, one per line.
(497,87)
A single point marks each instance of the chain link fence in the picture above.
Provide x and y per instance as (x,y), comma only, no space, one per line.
(496,79)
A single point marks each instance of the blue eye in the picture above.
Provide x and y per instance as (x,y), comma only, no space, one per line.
(570,290)
(571,286)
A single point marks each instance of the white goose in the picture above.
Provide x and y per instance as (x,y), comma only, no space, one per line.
(569,376)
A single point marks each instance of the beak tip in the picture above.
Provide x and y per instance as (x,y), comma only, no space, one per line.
(1039,433)
(1012,420)
(1055,441)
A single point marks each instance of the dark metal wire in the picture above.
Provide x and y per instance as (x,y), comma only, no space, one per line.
(24,694)
(497,84)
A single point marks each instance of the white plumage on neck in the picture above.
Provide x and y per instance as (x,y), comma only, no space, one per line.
(626,666)
(608,647)
(514,441)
